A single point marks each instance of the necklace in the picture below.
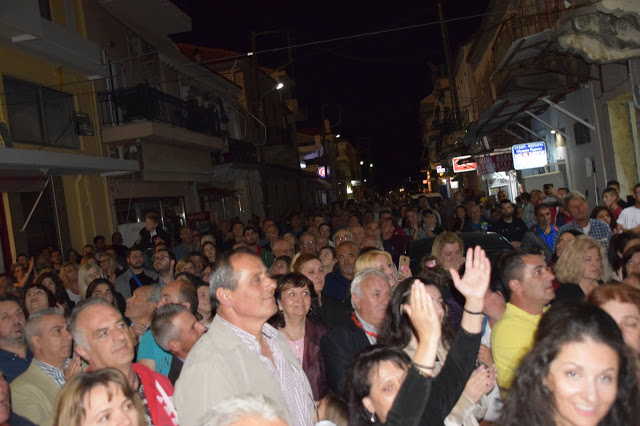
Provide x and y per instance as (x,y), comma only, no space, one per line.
(289,338)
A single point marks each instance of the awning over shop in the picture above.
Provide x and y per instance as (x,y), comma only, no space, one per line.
(502,112)
(26,170)
(530,69)
(60,164)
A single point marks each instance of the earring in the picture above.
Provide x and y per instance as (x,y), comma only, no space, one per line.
(373,418)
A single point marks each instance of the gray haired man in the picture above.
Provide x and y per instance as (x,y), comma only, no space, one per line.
(241,352)
(370,295)
(34,392)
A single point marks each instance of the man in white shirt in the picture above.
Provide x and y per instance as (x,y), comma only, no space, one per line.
(629,219)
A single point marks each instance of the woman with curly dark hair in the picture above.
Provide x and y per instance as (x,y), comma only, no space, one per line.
(302,328)
(53,283)
(579,372)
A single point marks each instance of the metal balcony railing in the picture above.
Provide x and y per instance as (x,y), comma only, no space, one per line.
(143,103)
(515,28)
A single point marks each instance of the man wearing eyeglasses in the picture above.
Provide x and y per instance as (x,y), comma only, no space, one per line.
(164,263)
(308,243)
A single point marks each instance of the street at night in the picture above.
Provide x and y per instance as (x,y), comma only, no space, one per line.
(330,214)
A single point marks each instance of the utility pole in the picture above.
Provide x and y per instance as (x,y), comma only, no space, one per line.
(447,55)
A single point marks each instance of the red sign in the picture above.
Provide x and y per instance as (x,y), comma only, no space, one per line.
(494,163)
(463,164)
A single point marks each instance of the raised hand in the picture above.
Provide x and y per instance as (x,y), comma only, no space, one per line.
(477,274)
(422,313)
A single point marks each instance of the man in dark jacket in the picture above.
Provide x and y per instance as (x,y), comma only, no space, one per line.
(509,226)
(370,295)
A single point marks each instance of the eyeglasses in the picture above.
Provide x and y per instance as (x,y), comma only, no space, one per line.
(308,243)
(160,257)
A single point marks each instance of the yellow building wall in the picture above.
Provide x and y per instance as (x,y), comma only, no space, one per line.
(621,136)
(87,201)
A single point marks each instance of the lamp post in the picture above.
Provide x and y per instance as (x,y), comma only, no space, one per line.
(371,172)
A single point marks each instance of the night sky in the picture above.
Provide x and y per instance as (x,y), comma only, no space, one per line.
(376,82)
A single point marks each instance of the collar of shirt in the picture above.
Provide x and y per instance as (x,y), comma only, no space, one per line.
(249,339)
(293,382)
(368,327)
(55,373)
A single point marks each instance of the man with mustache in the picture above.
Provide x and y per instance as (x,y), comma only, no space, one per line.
(34,392)
(15,356)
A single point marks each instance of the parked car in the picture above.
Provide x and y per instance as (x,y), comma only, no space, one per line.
(492,243)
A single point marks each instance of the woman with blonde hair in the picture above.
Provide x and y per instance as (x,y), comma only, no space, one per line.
(448,250)
(87,273)
(581,268)
(108,266)
(380,260)
(69,276)
(185,265)
(89,397)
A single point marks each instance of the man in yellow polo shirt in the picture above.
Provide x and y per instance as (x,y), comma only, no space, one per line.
(528,284)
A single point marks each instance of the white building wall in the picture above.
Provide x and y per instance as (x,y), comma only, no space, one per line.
(580,178)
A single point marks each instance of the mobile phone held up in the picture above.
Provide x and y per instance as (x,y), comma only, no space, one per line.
(404,260)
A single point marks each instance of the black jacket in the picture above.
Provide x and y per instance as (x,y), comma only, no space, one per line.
(339,348)
(423,401)
(146,243)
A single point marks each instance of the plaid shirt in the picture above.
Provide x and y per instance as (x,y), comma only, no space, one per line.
(599,231)
(292,379)
(55,373)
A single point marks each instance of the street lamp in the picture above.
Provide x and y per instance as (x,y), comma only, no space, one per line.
(361,162)
(278,86)
(338,136)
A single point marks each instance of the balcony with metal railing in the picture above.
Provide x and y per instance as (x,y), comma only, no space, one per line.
(515,28)
(142,112)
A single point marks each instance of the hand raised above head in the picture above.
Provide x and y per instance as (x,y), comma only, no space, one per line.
(422,313)
(477,274)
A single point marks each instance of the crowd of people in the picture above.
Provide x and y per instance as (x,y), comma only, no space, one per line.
(314,318)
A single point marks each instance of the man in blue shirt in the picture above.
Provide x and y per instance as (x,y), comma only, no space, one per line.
(15,355)
(540,236)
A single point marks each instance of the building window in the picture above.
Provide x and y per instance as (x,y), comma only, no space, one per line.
(45,9)
(40,115)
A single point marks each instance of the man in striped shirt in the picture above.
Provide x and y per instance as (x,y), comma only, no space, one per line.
(34,392)
(241,353)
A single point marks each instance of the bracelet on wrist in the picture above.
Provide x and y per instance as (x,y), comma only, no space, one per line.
(471,312)
(426,367)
